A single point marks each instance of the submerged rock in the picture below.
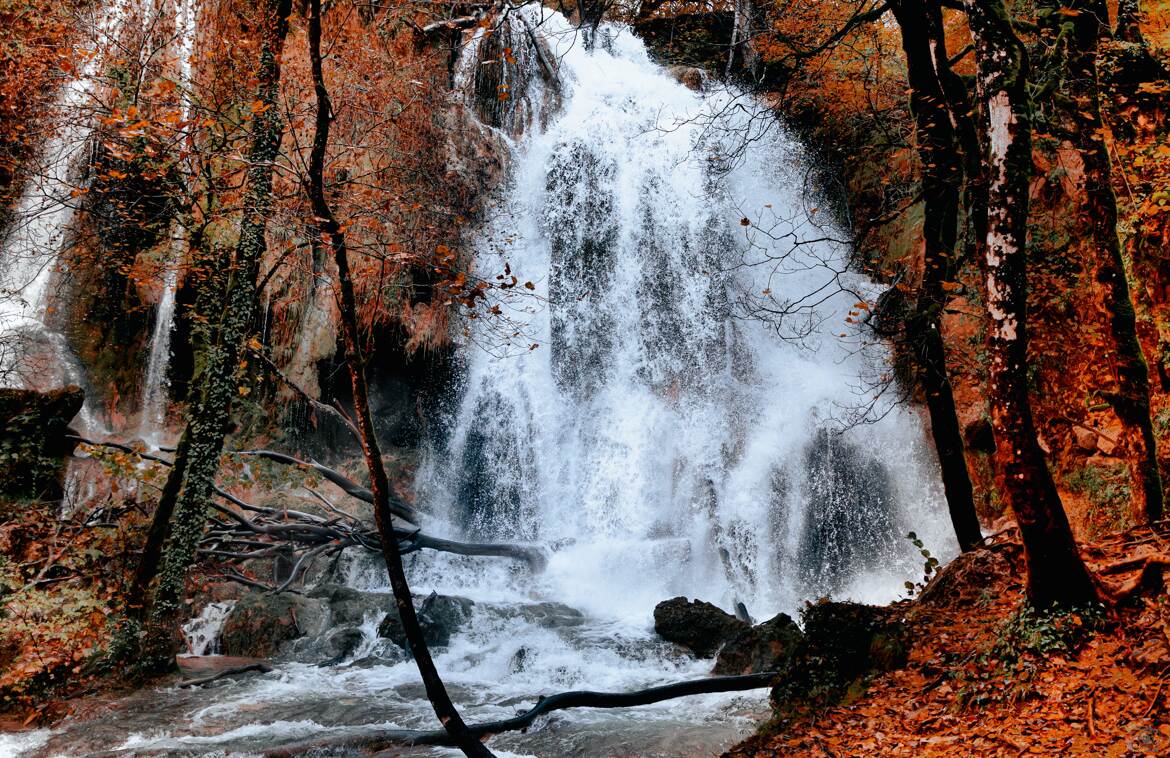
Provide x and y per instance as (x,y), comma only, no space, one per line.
(764,647)
(552,615)
(698,626)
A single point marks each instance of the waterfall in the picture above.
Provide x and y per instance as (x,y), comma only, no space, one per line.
(154,393)
(31,354)
(642,406)
(202,632)
(641,412)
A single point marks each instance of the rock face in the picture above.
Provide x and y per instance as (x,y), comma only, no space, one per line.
(32,440)
(440,616)
(764,647)
(700,627)
(259,624)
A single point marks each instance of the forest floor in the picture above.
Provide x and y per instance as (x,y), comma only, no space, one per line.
(987,677)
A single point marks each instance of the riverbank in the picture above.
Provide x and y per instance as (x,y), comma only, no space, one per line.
(987,678)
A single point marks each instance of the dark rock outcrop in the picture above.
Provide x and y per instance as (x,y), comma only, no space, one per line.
(700,627)
(440,616)
(33,444)
(764,647)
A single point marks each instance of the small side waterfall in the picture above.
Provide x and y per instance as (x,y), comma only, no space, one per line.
(202,632)
(154,392)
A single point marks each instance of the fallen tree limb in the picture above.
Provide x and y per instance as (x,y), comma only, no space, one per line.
(262,668)
(394,739)
(397,506)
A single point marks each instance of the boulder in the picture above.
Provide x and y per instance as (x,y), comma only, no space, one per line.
(260,623)
(1085,439)
(690,77)
(843,644)
(700,627)
(439,616)
(350,606)
(33,444)
(764,647)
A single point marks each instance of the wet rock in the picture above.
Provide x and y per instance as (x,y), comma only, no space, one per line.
(552,615)
(850,491)
(439,616)
(343,641)
(33,426)
(700,627)
(843,644)
(389,657)
(688,76)
(520,659)
(350,606)
(764,647)
(260,623)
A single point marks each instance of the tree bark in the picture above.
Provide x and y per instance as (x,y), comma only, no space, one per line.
(211,409)
(1076,29)
(1129,16)
(1056,573)
(941,183)
(332,233)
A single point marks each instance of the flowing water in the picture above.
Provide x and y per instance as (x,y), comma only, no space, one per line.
(642,413)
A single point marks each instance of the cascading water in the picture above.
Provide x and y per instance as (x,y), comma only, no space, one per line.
(31,354)
(154,393)
(657,441)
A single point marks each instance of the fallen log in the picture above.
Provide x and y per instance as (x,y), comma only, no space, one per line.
(392,740)
(262,668)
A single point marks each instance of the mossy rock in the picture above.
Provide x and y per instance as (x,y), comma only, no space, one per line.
(33,444)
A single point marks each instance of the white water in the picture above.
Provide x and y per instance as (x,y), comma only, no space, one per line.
(30,353)
(650,433)
(155,386)
(202,632)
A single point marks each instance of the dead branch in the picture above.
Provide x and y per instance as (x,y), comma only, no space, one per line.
(393,739)
(398,506)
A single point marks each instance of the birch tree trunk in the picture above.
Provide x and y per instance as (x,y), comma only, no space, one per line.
(1056,573)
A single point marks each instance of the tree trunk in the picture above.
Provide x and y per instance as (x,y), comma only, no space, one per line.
(941,182)
(1056,573)
(334,235)
(211,408)
(1075,63)
(1129,15)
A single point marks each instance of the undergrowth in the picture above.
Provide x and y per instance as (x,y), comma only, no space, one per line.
(1024,643)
